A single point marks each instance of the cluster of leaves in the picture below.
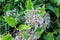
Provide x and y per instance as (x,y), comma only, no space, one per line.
(53,6)
(7,37)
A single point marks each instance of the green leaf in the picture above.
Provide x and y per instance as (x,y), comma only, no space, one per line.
(1,18)
(21,6)
(24,27)
(58,37)
(39,32)
(55,1)
(12,22)
(42,9)
(56,11)
(29,4)
(49,36)
(58,30)
(2,0)
(48,6)
(16,0)
(7,37)
(58,2)
(53,9)
(7,7)
(24,34)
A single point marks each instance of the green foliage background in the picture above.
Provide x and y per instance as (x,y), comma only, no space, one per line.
(53,6)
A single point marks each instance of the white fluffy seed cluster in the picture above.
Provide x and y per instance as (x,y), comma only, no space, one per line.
(11,12)
(34,18)
(30,36)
